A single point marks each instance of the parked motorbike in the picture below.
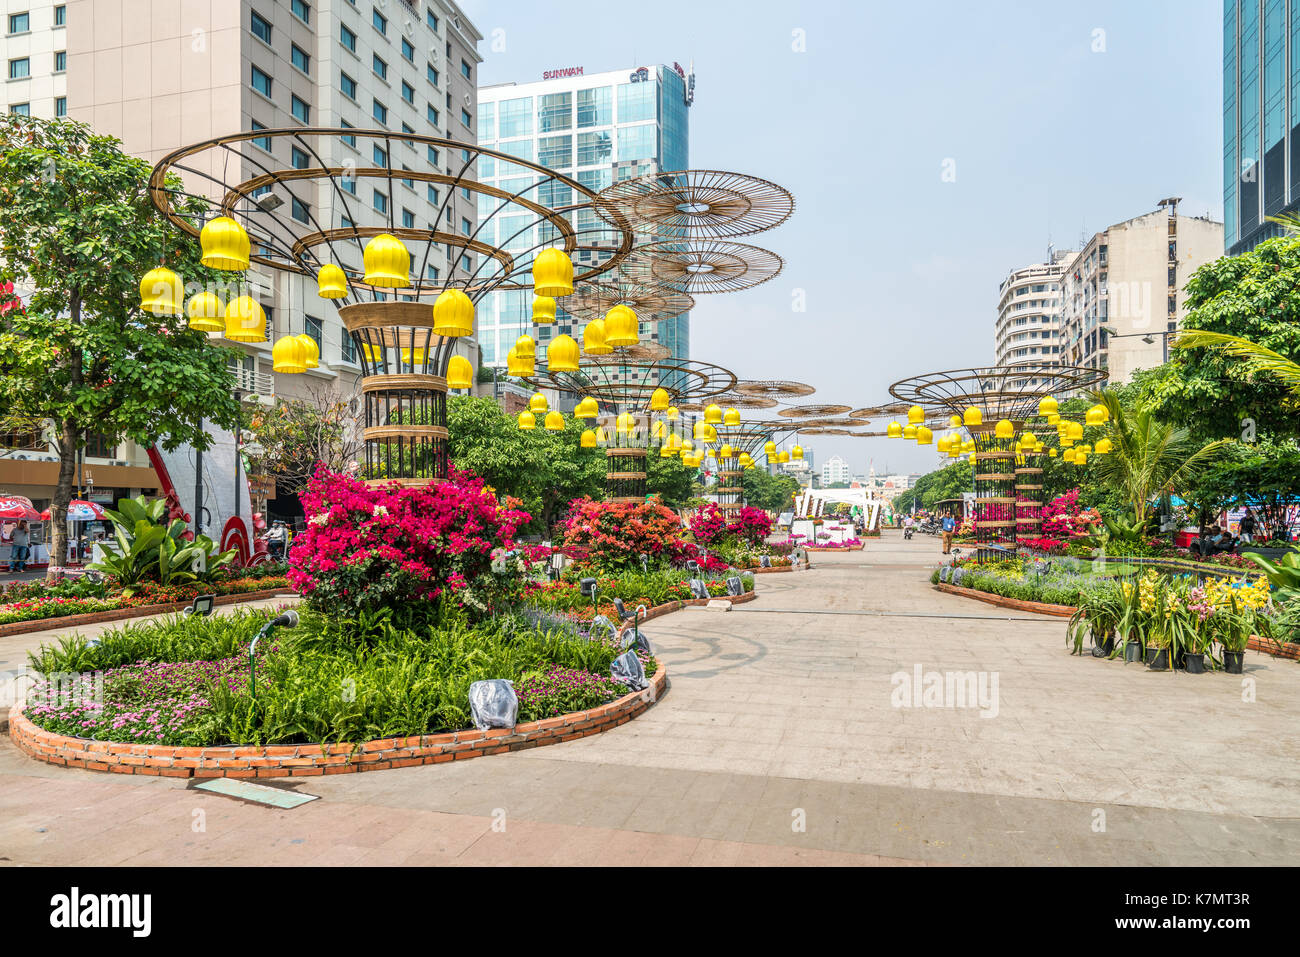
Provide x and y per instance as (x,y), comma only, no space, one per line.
(907,532)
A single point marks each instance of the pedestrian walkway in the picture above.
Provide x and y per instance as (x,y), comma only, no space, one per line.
(782,739)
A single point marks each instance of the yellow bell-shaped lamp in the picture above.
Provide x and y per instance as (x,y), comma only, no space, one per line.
(288,355)
(700,430)
(527,421)
(554,421)
(769,448)
(972,416)
(674,443)
(954,421)
(621,327)
(1103,447)
(909,432)
(687,449)
(895,430)
(944,443)
(205,312)
(453,314)
(225,245)
(525,348)
(1097,415)
(543,310)
(162,293)
(388,264)
(311,351)
(659,431)
(553,274)
(1068,455)
(588,440)
(537,404)
(415,358)
(746,460)
(666,452)
(916,415)
(727,452)
(671,413)
(1080,458)
(460,373)
(954,450)
(731,418)
(1004,429)
(587,408)
(1047,406)
(924,436)
(713,415)
(593,339)
(625,423)
(602,437)
(1054,418)
(796,453)
(331,282)
(245,320)
(1074,431)
(658,400)
(374,354)
(783,457)
(514,365)
(1051,453)
(562,354)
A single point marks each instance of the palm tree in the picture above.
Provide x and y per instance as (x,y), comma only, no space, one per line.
(1148,457)
(1265,360)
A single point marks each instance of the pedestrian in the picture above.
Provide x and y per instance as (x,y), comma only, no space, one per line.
(948,525)
(1247,527)
(276,540)
(19,548)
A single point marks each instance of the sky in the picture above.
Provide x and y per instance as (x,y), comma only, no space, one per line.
(930,147)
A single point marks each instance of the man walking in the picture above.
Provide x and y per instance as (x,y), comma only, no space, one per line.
(948,525)
(19,549)
(1247,527)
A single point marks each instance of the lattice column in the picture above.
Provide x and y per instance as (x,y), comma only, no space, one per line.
(405,399)
(1029,495)
(730,491)
(625,475)
(995,493)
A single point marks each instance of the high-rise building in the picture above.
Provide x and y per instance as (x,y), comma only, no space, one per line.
(159,76)
(1122,293)
(1261,118)
(835,471)
(1029,312)
(598,129)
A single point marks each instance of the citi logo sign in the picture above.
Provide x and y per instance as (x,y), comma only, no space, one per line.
(77,910)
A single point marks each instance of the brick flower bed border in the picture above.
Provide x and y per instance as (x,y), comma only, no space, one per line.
(135,611)
(818,548)
(307,760)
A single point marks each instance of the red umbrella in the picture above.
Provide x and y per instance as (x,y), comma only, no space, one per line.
(14,508)
(79,511)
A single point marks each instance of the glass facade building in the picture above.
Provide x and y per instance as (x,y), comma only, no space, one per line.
(1261,118)
(597,129)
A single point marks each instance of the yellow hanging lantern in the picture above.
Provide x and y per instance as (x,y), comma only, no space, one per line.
(374,354)
(161,293)
(593,339)
(537,404)
(1051,453)
(311,349)
(671,413)
(953,451)
(688,448)
(783,457)
(460,373)
(1104,446)
(527,421)
(621,327)
(1004,429)
(700,429)
(658,400)
(713,415)
(543,310)
(453,314)
(245,320)
(1081,458)
(1074,431)
(625,423)
(923,435)
(388,265)
(602,437)
(944,443)
(225,245)
(909,432)
(731,418)
(288,355)
(1053,419)
(1082,449)
(588,440)
(674,443)
(769,448)
(916,415)
(666,452)
(562,354)
(418,360)
(514,365)
(205,312)
(554,421)
(954,421)
(1069,455)
(895,430)
(587,408)
(972,416)
(553,273)
(1097,415)
(746,460)
(525,348)
(727,452)
(796,453)
(331,282)
(659,430)
(1047,406)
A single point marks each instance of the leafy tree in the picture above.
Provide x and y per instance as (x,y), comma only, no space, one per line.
(1211,390)
(1265,476)
(298,434)
(774,493)
(79,230)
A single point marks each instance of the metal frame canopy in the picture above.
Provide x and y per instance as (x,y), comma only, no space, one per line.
(700,266)
(551,201)
(733,400)
(704,204)
(592,300)
(625,380)
(813,411)
(778,389)
(1000,392)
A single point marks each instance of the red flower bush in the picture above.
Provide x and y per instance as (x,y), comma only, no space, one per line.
(710,527)
(368,547)
(615,536)
(752,525)
(1062,517)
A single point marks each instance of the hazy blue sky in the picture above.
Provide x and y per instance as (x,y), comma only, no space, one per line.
(1049,140)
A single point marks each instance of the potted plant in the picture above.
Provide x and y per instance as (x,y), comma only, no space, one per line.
(1132,623)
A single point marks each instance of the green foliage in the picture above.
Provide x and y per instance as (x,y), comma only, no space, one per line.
(147,550)
(772,493)
(1283,574)
(298,434)
(945,483)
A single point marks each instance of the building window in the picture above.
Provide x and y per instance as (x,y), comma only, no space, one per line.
(60,15)
(466,118)
(408,50)
(433,156)
(349,184)
(408,93)
(381,202)
(298,158)
(379,112)
(348,138)
(20,23)
(349,87)
(465,70)
(262,142)
(21,109)
(408,219)
(466,226)
(262,82)
(300,110)
(61,61)
(431,73)
(347,38)
(432,115)
(432,195)
(431,19)
(299,210)
(20,68)
(302,10)
(315,329)
(432,273)
(261,29)
(60,106)
(300,58)
(100,446)
(348,352)
(381,156)
(380,21)
(379,66)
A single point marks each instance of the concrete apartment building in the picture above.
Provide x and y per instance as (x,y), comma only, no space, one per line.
(835,471)
(160,74)
(1029,313)
(1122,293)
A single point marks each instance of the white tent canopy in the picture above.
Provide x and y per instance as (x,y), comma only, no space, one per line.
(812,502)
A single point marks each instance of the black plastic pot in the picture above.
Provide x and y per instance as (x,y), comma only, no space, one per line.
(1158,659)
(1132,651)
(1232,661)
(1151,654)
(1194,662)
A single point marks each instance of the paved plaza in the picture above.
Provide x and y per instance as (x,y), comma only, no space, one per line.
(782,740)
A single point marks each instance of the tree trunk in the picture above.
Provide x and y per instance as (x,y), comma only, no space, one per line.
(69,434)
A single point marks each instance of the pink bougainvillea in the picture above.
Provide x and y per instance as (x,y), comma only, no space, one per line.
(710,527)
(1062,517)
(368,546)
(615,535)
